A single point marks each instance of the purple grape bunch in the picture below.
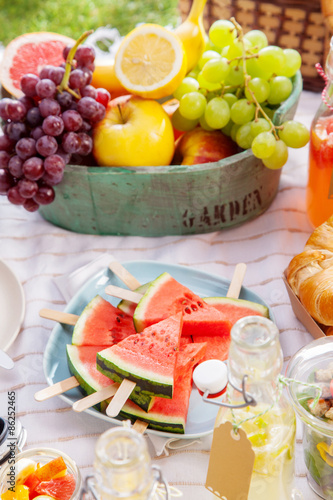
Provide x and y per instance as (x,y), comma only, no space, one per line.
(48,127)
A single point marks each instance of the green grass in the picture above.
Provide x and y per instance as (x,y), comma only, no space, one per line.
(73,17)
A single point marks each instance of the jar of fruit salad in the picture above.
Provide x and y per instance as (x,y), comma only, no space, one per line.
(123,469)
(319,192)
(312,397)
(40,472)
(270,422)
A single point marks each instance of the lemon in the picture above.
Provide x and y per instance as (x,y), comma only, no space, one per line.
(151,62)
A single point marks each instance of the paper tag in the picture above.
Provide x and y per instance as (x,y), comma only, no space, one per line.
(230,464)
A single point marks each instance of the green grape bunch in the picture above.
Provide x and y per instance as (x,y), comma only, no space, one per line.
(236,86)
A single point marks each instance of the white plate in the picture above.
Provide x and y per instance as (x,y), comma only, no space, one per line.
(12,306)
(201,416)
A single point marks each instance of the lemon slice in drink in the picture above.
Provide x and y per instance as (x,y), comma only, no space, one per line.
(151,62)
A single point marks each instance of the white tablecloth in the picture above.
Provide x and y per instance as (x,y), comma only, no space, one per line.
(39,252)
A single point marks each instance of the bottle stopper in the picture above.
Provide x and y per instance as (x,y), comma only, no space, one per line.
(211,378)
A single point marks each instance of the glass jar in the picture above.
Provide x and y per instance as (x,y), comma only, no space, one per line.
(122,468)
(313,364)
(41,456)
(270,425)
(319,192)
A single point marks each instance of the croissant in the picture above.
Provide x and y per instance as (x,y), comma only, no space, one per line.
(310,274)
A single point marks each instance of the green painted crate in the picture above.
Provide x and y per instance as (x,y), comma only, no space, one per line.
(172,200)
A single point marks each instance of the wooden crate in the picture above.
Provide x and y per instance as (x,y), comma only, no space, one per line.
(304,25)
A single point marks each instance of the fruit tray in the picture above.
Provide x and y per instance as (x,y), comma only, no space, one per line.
(201,416)
(172,200)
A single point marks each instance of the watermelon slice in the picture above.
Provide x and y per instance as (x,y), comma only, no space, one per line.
(217,346)
(102,324)
(147,358)
(82,364)
(235,309)
(170,414)
(166,297)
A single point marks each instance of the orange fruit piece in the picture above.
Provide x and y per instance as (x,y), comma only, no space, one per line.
(28,53)
(104,77)
(21,493)
(51,469)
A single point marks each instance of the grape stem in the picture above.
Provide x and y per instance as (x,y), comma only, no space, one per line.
(248,78)
(69,64)
(252,56)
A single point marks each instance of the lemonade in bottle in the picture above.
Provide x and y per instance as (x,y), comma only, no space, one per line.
(270,424)
(319,193)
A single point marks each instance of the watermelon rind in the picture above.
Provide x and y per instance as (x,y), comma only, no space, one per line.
(143,399)
(161,386)
(129,307)
(88,383)
(241,303)
(156,420)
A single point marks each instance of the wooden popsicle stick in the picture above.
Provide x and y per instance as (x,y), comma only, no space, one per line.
(140,426)
(61,317)
(236,281)
(56,389)
(95,398)
(125,276)
(120,398)
(123,293)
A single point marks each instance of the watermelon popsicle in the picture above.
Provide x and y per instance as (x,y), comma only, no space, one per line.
(147,359)
(171,414)
(82,364)
(103,325)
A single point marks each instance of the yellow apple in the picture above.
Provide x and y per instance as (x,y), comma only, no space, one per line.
(135,132)
(203,146)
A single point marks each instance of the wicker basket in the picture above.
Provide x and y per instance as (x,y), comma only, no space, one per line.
(304,25)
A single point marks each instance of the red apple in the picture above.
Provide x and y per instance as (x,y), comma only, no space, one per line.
(203,146)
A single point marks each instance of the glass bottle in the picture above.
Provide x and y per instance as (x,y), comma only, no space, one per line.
(319,192)
(122,468)
(270,425)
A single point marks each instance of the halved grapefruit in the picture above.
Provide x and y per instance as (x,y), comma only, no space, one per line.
(28,53)
(61,488)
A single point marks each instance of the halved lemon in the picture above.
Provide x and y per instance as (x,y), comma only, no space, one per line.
(151,62)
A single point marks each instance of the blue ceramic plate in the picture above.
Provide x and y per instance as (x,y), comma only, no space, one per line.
(201,415)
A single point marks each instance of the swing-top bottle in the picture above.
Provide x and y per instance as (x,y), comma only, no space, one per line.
(270,424)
